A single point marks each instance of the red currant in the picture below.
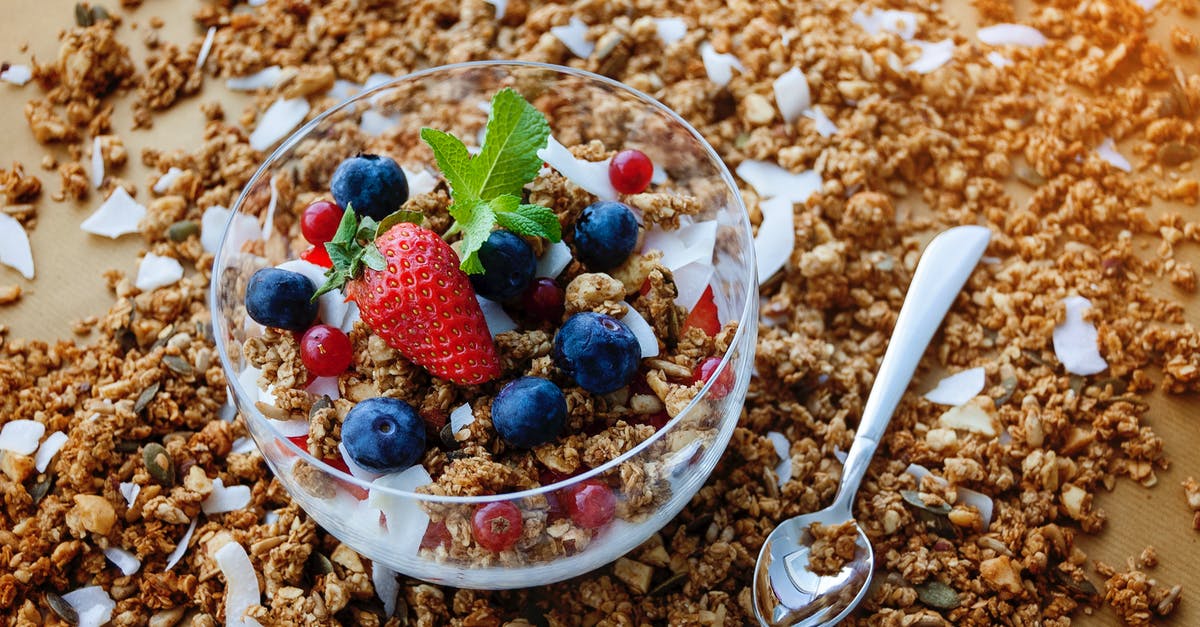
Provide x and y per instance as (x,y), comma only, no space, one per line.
(320,221)
(590,504)
(630,171)
(317,255)
(705,370)
(496,526)
(544,300)
(326,351)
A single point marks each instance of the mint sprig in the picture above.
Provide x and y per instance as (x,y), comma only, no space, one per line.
(353,246)
(485,190)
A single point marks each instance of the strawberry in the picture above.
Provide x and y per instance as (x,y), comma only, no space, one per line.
(704,315)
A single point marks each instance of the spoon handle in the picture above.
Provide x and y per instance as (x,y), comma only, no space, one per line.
(941,273)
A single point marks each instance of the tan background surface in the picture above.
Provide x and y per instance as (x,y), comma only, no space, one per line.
(68,285)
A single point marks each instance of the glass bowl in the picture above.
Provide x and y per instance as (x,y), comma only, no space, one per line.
(427,536)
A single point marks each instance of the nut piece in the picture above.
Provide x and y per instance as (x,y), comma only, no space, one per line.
(92,513)
(636,574)
(976,416)
(16,466)
(1001,574)
(596,291)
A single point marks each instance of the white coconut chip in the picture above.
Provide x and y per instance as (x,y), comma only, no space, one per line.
(461,417)
(498,320)
(693,243)
(265,78)
(332,304)
(270,517)
(998,60)
(15,251)
(127,562)
(225,499)
(212,227)
(205,48)
(1107,150)
(241,584)
(791,94)
(277,121)
(17,74)
(821,122)
(374,123)
(256,3)
(387,587)
(783,470)
(592,176)
(670,29)
(242,445)
(420,181)
(501,8)
(155,271)
(352,315)
(168,179)
(324,386)
(343,89)
(130,491)
(642,330)
(289,428)
(554,260)
(181,547)
(49,448)
(658,175)
(902,23)
(771,181)
(776,237)
(97,163)
(574,37)
(1147,5)
(117,216)
(966,496)
(690,282)
(719,66)
(92,605)
(1011,35)
(269,223)
(21,436)
(933,55)
(356,471)
(958,388)
(377,79)
(406,521)
(1075,341)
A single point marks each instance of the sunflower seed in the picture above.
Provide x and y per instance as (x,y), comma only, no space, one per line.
(319,563)
(1081,587)
(1009,384)
(670,583)
(178,365)
(182,230)
(1175,153)
(937,594)
(146,396)
(159,464)
(62,608)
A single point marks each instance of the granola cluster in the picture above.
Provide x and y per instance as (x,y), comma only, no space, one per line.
(1007,141)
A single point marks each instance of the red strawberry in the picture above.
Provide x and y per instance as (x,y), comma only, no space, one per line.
(704,315)
(423,306)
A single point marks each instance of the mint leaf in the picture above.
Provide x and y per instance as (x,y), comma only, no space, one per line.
(550,228)
(453,160)
(527,219)
(508,158)
(475,219)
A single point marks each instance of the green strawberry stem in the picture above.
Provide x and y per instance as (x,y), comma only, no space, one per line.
(353,246)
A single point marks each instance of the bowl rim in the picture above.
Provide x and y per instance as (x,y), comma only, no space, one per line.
(748,317)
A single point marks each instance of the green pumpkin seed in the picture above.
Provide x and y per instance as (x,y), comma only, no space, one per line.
(99,13)
(146,396)
(1010,385)
(912,497)
(178,365)
(182,230)
(1082,587)
(62,608)
(41,488)
(321,403)
(668,584)
(319,563)
(447,437)
(937,594)
(159,464)
(84,18)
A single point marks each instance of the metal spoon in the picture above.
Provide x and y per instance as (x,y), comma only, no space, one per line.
(786,591)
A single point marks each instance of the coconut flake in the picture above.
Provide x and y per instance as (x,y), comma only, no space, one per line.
(821,122)
(1107,150)
(205,48)
(770,180)
(130,491)
(387,587)
(352,315)
(690,282)
(289,428)
(998,60)
(1147,5)
(1011,35)
(554,260)
(241,584)
(269,223)
(658,175)
(21,436)
(155,271)
(223,499)
(181,547)
(270,517)
(776,237)
(642,330)
(1075,341)
(719,66)
(212,226)
(17,74)
(783,470)
(332,304)
(374,123)
(670,29)
(406,521)
(501,7)
(117,216)
(356,471)
(127,562)
(958,388)
(592,176)
(168,179)
(978,500)
(15,251)
(92,604)
(242,445)
(693,243)
(461,417)
(498,320)
(791,94)
(420,181)
(324,386)
(49,448)
(277,121)
(574,37)
(902,23)
(265,78)
(343,89)
(97,163)
(933,55)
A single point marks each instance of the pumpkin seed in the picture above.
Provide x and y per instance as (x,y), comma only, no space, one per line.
(937,594)
(670,583)
(159,464)
(447,437)
(182,230)
(1075,384)
(99,13)
(1081,587)
(146,396)
(41,488)
(178,365)
(319,563)
(321,403)
(126,340)
(1009,384)
(701,522)
(62,608)
(912,497)
(83,17)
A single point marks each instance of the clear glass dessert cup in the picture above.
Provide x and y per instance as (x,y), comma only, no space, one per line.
(427,536)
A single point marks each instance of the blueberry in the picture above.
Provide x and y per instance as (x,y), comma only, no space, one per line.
(598,351)
(370,184)
(281,299)
(605,234)
(508,267)
(529,411)
(383,434)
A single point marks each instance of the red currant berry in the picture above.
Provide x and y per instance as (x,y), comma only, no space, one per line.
(326,351)
(590,504)
(544,300)
(320,221)
(317,255)
(705,370)
(630,171)
(496,526)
